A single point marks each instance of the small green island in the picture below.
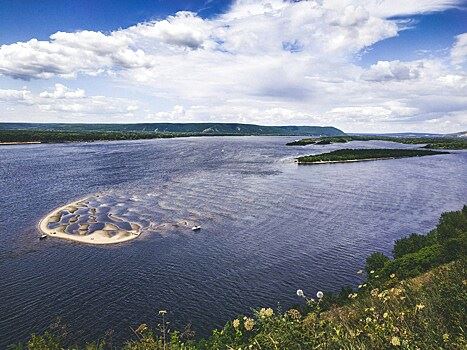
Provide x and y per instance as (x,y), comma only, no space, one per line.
(358,155)
(427,142)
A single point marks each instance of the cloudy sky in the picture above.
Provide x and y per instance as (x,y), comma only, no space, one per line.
(360,65)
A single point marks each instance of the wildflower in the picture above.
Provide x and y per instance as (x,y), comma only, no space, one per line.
(360,286)
(372,271)
(142,328)
(395,341)
(300,293)
(359,272)
(392,275)
(364,284)
(249,324)
(236,323)
(385,315)
(419,307)
(445,337)
(263,313)
(374,292)
(294,314)
(320,295)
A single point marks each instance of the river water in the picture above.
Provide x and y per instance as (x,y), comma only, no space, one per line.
(269,227)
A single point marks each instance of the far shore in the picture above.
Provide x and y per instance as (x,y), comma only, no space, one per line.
(19,143)
(99,237)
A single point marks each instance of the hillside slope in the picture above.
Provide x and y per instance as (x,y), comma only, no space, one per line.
(193,128)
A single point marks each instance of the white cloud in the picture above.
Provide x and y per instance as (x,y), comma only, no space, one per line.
(459,50)
(14,95)
(69,102)
(185,29)
(393,70)
(61,91)
(263,61)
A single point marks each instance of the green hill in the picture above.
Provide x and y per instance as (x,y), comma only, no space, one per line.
(190,128)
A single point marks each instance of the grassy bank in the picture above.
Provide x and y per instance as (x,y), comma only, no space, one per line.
(344,155)
(427,142)
(415,300)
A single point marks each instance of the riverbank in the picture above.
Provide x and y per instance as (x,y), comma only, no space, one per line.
(82,217)
(19,143)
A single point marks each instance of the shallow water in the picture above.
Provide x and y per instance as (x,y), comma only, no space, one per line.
(269,227)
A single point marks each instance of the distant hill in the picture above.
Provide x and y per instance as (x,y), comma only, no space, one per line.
(399,134)
(457,134)
(413,134)
(191,128)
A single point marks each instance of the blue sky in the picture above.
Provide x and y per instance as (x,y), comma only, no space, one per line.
(25,19)
(362,65)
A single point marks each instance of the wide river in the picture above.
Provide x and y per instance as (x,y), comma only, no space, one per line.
(269,227)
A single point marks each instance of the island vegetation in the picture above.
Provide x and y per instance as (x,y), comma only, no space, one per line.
(427,142)
(415,300)
(352,155)
(57,136)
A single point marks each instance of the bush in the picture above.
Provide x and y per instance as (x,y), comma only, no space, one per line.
(375,262)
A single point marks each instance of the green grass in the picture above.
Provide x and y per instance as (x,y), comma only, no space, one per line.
(343,155)
(416,300)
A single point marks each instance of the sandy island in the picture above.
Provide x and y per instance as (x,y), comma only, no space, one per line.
(347,161)
(109,234)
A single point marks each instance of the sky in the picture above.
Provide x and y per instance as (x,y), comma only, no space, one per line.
(359,65)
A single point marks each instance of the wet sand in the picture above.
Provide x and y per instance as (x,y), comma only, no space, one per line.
(109,234)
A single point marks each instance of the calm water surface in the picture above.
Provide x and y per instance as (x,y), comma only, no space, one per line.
(269,227)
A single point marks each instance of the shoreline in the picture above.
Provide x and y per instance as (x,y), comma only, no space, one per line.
(97,237)
(20,143)
(355,160)
(348,161)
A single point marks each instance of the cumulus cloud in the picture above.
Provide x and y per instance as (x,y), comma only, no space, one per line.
(263,61)
(393,70)
(459,50)
(70,102)
(61,91)
(11,95)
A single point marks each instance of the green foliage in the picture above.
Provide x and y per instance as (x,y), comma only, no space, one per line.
(409,244)
(416,253)
(428,142)
(376,261)
(50,136)
(363,154)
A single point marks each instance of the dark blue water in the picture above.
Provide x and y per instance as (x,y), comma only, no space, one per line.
(269,228)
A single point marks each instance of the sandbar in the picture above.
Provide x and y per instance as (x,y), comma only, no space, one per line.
(109,234)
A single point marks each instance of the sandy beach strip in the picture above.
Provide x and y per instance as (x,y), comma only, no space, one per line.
(110,234)
(348,161)
(19,143)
